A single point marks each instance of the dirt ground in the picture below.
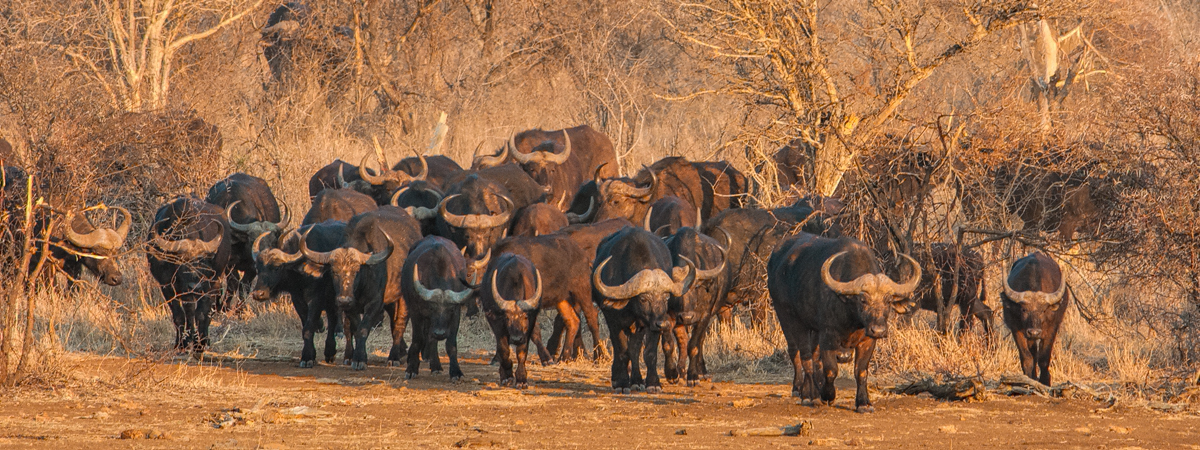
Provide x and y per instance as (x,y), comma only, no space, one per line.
(235,403)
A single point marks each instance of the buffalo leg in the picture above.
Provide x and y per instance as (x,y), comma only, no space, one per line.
(420,338)
(695,349)
(636,342)
(829,367)
(505,362)
(312,320)
(553,346)
(683,340)
(591,315)
(333,319)
(650,357)
(522,354)
(862,360)
(535,336)
(1025,351)
(179,318)
(619,335)
(361,331)
(570,319)
(398,311)
(670,358)
(456,372)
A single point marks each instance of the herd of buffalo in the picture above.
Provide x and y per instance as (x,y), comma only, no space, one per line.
(547,223)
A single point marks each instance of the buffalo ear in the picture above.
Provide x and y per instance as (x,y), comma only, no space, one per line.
(312,269)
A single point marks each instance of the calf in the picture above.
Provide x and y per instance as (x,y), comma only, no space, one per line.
(1035,301)
(822,314)
(434,293)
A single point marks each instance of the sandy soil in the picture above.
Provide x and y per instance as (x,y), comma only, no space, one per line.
(273,404)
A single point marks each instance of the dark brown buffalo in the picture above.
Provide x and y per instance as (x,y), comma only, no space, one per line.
(281,268)
(585,202)
(522,189)
(1035,298)
(475,214)
(635,282)
(564,267)
(698,306)
(537,219)
(420,199)
(250,210)
(434,290)
(440,169)
(791,164)
(711,186)
(189,259)
(381,187)
(832,296)
(327,177)
(366,277)
(668,214)
(338,204)
(953,278)
(511,300)
(587,236)
(560,160)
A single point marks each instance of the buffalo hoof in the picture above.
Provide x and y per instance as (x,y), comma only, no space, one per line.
(654,389)
(864,409)
(795,393)
(435,371)
(808,402)
(455,378)
(329,360)
(506,381)
(409,375)
(639,388)
(673,380)
(307,364)
(394,363)
(521,385)
(623,390)
(548,363)
(495,359)
(693,383)
(358,365)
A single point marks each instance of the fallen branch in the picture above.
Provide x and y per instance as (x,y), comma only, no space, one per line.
(956,389)
(804,428)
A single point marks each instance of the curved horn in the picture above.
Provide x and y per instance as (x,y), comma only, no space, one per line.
(646,221)
(586,216)
(621,292)
(316,257)
(681,281)
(1013,294)
(287,217)
(559,158)
(728,240)
(229,218)
(437,295)
(504,303)
(911,285)
(596,174)
(485,161)
(396,196)
(424,169)
(847,288)
(646,191)
(123,228)
(1055,296)
(341,177)
(711,273)
(647,280)
(276,255)
(254,249)
(511,146)
(531,303)
(377,257)
(475,221)
(375,180)
(89,240)
(192,248)
(481,263)
(699,219)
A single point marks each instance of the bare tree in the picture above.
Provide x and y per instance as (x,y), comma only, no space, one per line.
(834,73)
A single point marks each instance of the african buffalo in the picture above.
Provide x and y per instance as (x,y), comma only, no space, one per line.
(522,189)
(635,282)
(710,186)
(381,187)
(581,151)
(955,277)
(698,306)
(77,244)
(587,198)
(366,277)
(338,204)
(333,176)
(537,219)
(511,302)
(564,267)
(475,214)
(420,199)
(832,296)
(250,210)
(190,260)
(439,169)
(1035,299)
(434,290)
(668,214)
(282,268)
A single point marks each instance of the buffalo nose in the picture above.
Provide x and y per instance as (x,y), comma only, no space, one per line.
(877,331)
(1033,334)
(439,334)
(260,295)
(114,280)
(687,317)
(516,338)
(345,299)
(662,324)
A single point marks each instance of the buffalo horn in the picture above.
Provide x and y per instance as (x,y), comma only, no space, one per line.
(526,305)
(474,221)
(445,296)
(586,216)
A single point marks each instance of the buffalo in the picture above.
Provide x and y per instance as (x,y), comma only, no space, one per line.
(190,260)
(668,214)
(954,278)
(1035,300)
(587,236)
(831,296)
(475,214)
(537,219)
(250,209)
(511,302)
(366,277)
(420,199)
(698,306)
(434,290)
(564,267)
(80,244)
(710,186)
(381,186)
(581,151)
(333,176)
(283,269)
(338,204)
(438,169)
(635,282)
(586,199)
